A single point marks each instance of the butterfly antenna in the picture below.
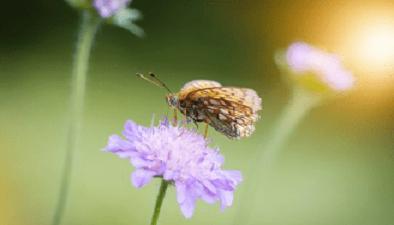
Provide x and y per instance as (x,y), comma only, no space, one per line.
(161,83)
(154,81)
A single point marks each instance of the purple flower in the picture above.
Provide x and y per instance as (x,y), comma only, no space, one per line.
(180,156)
(107,8)
(303,58)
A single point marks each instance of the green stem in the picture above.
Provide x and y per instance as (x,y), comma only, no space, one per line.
(300,104)
(159,202)
(87,31)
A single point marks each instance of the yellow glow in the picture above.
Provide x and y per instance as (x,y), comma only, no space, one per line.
(376,47)
(364,36)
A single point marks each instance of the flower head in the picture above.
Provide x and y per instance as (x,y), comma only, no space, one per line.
(303,59)
(180,156)
(108,8)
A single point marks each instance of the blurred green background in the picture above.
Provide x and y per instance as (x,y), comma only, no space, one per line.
(336,169)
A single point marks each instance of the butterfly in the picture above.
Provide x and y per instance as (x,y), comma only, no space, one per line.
(232,111)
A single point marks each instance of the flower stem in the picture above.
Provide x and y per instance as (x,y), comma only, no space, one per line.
(300,104)
(87,30)
(159,202)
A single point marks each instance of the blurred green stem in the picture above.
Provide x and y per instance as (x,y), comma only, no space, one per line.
(159,202)
(300,104)
(87,31)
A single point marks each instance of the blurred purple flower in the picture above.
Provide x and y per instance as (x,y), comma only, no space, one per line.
(107,8)
(179,156)
(303,58)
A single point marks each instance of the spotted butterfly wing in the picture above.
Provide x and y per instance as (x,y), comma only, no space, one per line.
(230,110)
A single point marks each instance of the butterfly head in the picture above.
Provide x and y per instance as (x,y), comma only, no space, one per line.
(172,100)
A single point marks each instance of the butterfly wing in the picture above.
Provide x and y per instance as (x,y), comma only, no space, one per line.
(197,85)
(231,111)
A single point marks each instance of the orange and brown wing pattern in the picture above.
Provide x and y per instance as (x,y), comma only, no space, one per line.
(196,85)
(242,96)
(231,111)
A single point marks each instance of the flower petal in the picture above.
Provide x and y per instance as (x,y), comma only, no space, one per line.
(120,147)
(107,8)
(139,162)
(226,199)
(140,178)
(180,192)
(131,130)
(208,196)
(188,205)
(304,59)
(234,175)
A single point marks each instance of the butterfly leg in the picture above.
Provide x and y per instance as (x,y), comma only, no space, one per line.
(206,130)
(184,117)
(175,117)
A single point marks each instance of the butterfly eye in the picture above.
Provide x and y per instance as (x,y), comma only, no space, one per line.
(172,100)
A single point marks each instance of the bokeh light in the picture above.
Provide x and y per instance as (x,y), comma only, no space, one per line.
(368,41)
(375,45)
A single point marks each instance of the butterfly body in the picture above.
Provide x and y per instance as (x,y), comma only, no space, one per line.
(232,111)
